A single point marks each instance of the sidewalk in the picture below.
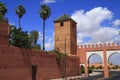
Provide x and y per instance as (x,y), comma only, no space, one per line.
(69,78)
(95,74)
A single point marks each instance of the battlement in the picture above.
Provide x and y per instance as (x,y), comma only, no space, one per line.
(101,45)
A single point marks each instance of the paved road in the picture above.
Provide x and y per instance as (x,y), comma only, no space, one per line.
(96,75)
(114,75)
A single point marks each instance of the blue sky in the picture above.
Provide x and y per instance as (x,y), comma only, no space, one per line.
(98,20)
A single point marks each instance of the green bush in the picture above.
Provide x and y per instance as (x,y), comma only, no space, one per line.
(60,56)
(99,67)
(90,69)
(83,69)
(93,67)
(1,17)
(113,67)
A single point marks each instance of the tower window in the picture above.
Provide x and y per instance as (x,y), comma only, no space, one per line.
(61,24)
(57,48)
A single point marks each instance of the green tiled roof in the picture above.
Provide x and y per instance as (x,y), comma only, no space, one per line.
(63,18)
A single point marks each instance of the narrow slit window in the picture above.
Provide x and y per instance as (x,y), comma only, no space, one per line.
(61,24)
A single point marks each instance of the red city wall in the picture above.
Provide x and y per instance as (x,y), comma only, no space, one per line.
(16,64)
(4,32)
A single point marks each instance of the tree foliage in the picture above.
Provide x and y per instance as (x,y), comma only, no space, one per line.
(37,47)
(93,67)
(3,10)
(83,69)
(34,35)
(20,11)
(1,17)
(45,12)
(19,38)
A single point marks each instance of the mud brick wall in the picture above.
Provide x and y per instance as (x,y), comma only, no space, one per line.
(4,32)
(17,63)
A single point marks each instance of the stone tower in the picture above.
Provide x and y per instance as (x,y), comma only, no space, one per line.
(65,35)
(4,32)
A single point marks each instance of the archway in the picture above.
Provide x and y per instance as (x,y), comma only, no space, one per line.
(95,62)
(114,63)
(103,50)
(88,55)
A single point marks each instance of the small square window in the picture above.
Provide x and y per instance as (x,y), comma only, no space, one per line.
(61,24)
(57,48)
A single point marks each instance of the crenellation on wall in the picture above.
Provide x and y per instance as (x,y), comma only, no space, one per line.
(104,44)
(109,45)
(85,46)
(92,46)
(88,46)
(81,46)
(113,44)
(99,46)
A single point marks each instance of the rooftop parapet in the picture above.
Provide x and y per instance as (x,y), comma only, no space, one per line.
(101,45)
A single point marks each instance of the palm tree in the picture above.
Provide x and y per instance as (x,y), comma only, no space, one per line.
(20,11)
(3,10)
(45,12)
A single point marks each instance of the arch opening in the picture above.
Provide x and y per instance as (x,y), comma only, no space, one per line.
(114,63)
(95,63)
(94,58)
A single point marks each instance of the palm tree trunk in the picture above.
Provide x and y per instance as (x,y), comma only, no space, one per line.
(43,34)
(19,21)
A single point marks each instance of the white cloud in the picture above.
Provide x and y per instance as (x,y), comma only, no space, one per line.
(49,44)
(104,34)
(116,22)
(40,36)
(92,19)
(90,25)
(48,1)
(12,24)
